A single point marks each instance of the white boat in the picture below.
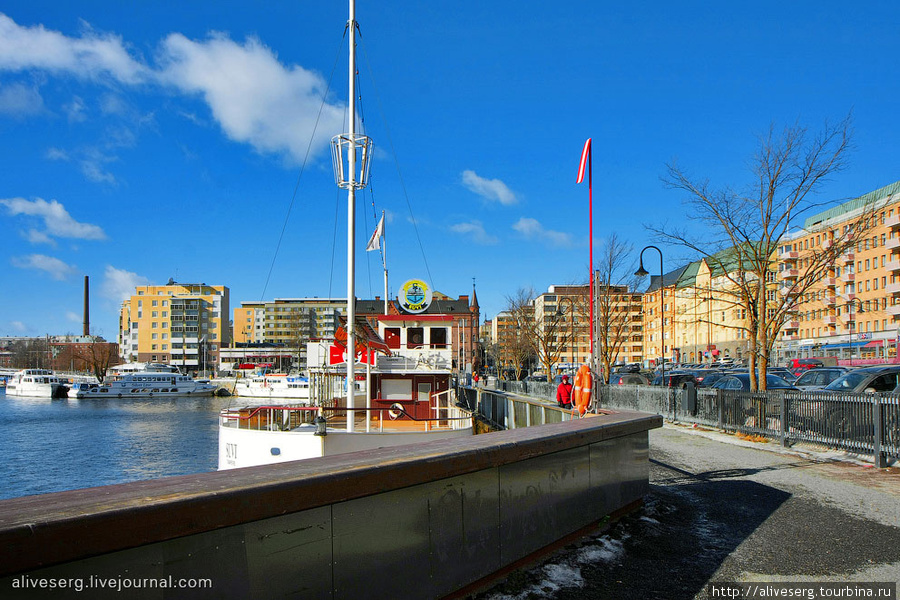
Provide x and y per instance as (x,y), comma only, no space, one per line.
(411,401)
(407,398)
(151,382)
(273,386)
(35,383)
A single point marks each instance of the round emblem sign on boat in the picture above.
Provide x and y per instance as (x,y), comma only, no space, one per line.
(414,296)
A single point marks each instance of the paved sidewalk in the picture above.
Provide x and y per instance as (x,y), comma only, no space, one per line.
(721,509)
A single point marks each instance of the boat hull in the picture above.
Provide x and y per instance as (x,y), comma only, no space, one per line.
(250,448)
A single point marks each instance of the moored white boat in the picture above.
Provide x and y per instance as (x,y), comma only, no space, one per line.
(273,386)
(153,381)
(411,401)
(36,383)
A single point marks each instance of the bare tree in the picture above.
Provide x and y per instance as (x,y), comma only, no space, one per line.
(543,336)
(612,314)
(743,231)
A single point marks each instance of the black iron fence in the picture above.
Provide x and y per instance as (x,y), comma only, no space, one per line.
(858,423)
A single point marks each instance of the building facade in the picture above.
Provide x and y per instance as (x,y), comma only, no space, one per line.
(182,324)
(852,311)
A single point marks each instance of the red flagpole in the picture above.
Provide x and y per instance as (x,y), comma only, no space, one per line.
(586,159)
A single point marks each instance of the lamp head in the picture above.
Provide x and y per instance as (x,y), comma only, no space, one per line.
(641,272)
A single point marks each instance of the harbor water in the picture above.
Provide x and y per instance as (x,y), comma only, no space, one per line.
(56,445)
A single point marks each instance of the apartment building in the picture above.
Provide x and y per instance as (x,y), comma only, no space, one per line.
(182,324)
(853,311)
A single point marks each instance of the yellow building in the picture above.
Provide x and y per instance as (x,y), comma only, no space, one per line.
(182,324)
(853,311)
(703,318)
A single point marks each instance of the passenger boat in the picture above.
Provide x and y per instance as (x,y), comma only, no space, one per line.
(36,383)
(273,386)
(407,396)
(151,381)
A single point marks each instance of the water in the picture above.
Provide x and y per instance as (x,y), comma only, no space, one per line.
(55,445)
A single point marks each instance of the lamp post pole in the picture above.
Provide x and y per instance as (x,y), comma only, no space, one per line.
(859,310)
(642,272)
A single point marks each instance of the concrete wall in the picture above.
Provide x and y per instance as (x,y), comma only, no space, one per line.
(418,521)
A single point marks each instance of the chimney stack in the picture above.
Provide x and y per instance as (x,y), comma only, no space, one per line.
(87,317)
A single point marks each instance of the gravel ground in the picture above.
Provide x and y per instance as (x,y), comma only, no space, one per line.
(721,510)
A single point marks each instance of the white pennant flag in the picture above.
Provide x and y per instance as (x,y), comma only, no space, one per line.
(375,240)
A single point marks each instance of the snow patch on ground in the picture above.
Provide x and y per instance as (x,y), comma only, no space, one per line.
(561,574)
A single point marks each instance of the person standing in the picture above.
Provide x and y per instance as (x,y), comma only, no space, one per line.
(564,393)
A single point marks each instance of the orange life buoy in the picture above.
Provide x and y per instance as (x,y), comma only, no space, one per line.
(582,394)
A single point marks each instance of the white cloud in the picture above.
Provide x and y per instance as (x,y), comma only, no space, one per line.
(54,267)
(118,284)
(57,154)
(75,110)
(532,229)
(91,56)
(18,326)
(475,231)
(57,220)
(490,189)
(254,98)
(74,317)
(20,100)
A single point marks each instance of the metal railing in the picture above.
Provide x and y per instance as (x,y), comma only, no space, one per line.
(507,410)
(858,423)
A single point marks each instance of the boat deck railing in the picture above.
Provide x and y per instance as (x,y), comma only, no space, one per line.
(390,419)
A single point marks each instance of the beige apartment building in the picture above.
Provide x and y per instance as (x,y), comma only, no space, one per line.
(853,312)
(695,318)
(182,324)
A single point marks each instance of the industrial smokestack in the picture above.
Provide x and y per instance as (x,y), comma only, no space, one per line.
(87,308)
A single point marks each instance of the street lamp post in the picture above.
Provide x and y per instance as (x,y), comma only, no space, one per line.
(859,310)
(642,272)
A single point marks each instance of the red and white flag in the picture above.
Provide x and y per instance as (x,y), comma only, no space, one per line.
(375,240)
(585,157)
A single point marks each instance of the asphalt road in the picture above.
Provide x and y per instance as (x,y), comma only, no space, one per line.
(724,510)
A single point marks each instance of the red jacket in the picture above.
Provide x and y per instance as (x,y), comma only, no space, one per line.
(564,393)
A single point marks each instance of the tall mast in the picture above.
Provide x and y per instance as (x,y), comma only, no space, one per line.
(351,227)
(350,153)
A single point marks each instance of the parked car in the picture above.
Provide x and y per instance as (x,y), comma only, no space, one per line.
(741,381)
(800,365)
(628,379)
(710,378)
(677,380)
(878,380)
(816,379)
(782,372)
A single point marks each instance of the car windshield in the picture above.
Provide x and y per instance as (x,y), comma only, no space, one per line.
(847,382)
(774,381)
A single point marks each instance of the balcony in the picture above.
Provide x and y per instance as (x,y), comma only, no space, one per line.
(893,221)
(894,310)
(830,300)
(848,277)
(790,338)
(792,325)
(829,320)
(827,244)
(893,265)
(892,288)
(790,274)
(893,243)
(829,282)
(847,257)
(790,255)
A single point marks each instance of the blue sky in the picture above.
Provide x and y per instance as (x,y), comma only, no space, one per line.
(149,140)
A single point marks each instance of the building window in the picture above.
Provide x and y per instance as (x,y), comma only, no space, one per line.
(438,337)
